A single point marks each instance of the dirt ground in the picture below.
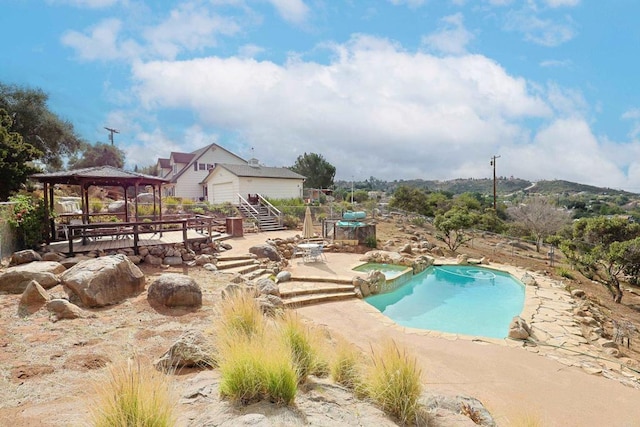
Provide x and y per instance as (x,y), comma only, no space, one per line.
(48,370)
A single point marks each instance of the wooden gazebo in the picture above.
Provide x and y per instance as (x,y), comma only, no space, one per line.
(98,176)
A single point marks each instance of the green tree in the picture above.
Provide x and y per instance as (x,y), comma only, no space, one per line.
(316,169)
(99,154)
(410,199)
(453,226)
(603,249)
(54,138)
(15,158)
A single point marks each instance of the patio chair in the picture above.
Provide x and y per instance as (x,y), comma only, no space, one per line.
(315,254)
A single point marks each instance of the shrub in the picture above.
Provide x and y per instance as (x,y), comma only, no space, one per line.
(393,382)
(371,242)
(187,205)
(291,221)
(303,346)
(240,315)
(346,366)
(133,394)
(145,209)
(27,216)
(418,221)
(96,205)
(564,272)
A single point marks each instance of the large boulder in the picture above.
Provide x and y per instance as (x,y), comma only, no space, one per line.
(174,290)
(518,329)
(23,257)
(32,299)
(116,207)
(103,281)
(267,287)
(63,309)
(16,279)
(265,251)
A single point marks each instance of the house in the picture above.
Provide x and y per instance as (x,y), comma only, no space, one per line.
(214,174)
(186,171)
(226,181)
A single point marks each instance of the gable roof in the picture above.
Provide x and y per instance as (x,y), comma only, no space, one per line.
(196,155)
(98,175)
(181,157)
(259,171)
(164,163)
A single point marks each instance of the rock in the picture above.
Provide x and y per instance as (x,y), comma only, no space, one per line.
(152,260)
(233,288)
(589,321)
(528,280)
(70,262)
(226,246)
(608,344)
(362,285)
(136,259)
(578,293)
(283,276)
(32,299)
(191,350)
(267,287)
(265,251)
(115,207)
(205,259)
(406,249)
(147,198)
(23,257)
(53,256)
(437,251)
(16,279)
(462,259)
(172,260)
(471,407)
(103,281)
(63,309)
(210,267)
(175,290)
(518,329)
(270,304)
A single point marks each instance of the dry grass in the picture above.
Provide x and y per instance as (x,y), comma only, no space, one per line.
(133,394)
(239,314)
(347,366)
(304,345)
(394,382)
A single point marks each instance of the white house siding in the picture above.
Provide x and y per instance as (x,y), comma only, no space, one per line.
(188,184)
(222,187)
(276,188)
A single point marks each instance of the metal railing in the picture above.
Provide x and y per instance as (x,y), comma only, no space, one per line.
(250,210)
(273,211)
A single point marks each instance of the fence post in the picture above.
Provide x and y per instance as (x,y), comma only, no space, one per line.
(135,238)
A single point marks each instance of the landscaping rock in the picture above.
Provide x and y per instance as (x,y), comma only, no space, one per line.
(175,290)
(518,329)
(528,280)
(265,251)
(115,207)
(471,407)
(270,304)
(103,281)
(267,287)
(210,267)
(283,276)
(53,256)
(173,260)
(16,279)
(578,293)
(191,350)
(70,262)
(406,249)
(152,260)
(23,257)
(33,298)
(63,309)
(205,259)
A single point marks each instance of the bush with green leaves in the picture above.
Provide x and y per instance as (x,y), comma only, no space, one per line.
(27,217)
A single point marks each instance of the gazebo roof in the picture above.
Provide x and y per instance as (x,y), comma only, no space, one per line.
(99,175)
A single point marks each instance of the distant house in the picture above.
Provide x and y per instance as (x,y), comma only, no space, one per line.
(226,181)
(186,171)
(217,175)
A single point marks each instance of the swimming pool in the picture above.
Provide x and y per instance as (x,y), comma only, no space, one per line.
(468,300)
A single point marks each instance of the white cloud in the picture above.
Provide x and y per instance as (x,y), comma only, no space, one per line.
(555,63)
(294,11)
(250,51)
(410,3)
(545,32)
(452,37)
(102,43)
(634,116)
(189,27)
(562,3)
(375,110)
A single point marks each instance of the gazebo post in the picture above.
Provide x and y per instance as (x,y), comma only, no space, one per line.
(135,199)
(49,211)
(154,203)
(47,226)
(85,203)
(126,203)
(160,199)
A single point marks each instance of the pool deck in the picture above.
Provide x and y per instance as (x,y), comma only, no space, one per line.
(562,381)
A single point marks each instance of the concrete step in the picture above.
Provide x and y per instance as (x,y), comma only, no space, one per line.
(227,258)
(303,300)
(227,265)
(317,289)
(257,274)
(306,279)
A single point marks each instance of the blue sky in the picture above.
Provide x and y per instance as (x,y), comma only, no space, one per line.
(394,89)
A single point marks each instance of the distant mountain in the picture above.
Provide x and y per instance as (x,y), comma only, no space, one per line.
(567,187)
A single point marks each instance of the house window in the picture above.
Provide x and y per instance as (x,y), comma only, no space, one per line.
(209,166)
(175,168)
(195,166)
(201,166)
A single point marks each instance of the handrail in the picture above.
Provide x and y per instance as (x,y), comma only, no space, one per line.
(272,209)
(252,211)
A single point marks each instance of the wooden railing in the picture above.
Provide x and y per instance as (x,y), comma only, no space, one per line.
(273,211)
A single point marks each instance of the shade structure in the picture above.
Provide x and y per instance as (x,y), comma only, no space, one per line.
(307,225)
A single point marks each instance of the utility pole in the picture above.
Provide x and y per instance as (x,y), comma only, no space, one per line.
(111,132)
(493,163)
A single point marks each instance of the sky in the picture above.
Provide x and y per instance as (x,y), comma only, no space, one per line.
(390,89)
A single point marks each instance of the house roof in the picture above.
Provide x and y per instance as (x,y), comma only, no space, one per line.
(195,156)
(182,157)
(260,171)
(164,163)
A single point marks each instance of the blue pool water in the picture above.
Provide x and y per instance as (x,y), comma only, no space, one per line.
(457,299)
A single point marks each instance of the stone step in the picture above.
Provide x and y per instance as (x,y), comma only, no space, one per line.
(243,270)
(227,258)
(306,279)
(318,289)
(303,300)
(257,274)
(235,264)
